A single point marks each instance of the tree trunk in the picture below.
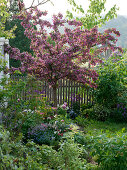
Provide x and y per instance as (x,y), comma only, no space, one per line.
(55,95)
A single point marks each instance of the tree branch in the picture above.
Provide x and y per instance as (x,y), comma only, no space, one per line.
(39,3)
(32,3)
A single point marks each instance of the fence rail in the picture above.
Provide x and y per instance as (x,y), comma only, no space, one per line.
(67,91)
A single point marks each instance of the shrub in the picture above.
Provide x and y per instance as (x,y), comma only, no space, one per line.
(42,134)
(72,114)
(49,133)
(76,107)
(22,113)
(61,111)
(69,154)
(111,87)
(81,121)
(86,106)
(109,150)
(15,155)
(3,82)
(99,112)
(120,113)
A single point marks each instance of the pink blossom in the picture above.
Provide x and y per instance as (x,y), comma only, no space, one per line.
(42,113)
(18,100)
(64,106)
(50,86)
(44,125)
(65,103)
(62,120)
(54,108)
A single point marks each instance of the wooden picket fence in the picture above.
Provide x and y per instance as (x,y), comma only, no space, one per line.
(67,91)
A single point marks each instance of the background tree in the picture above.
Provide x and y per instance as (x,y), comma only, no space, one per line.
(94,15)
(18,5)
(56,55)
(13,6)
(20,41)
(4,15)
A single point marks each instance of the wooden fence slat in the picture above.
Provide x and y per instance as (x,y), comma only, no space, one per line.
(63,90)
(87,95)
(72,97)
(84,96)
(68,91)
(77,92)
(60,92)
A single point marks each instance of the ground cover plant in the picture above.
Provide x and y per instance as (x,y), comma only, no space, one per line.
(108,144)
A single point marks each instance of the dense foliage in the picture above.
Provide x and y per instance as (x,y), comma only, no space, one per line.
(110,96)
(109,150)
(4,15)
(111,92)
(33,136)
(20,41)
(94,15)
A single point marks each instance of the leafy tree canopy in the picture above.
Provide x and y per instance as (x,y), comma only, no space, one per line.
(20,41)
(4,15)
(94,15)
(14,6)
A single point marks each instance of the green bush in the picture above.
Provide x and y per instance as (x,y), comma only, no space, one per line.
(44,134)
(49,133)
(111,87)
(15,155)
(71,154)
(81,121)
(99,112)
(61,111)
(21,112)
(109,150)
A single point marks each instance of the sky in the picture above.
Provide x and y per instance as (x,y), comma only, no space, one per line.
(62,6)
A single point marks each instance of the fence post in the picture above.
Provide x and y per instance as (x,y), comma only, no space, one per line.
(4,57)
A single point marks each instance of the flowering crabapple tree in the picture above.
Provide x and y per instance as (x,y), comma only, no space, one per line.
(60,55)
